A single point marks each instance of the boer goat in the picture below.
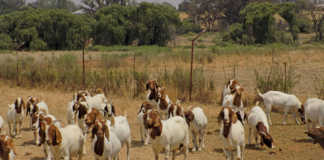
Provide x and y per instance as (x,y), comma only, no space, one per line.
(232,133)
(65,142)
(258,125)
(313,110)
(197,122)
(282,100)
(168,134)
(15,116)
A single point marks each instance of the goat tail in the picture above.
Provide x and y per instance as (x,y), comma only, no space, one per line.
(259,93)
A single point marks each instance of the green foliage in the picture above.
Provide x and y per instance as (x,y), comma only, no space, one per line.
(46,29)
(236,34)
(149,24)
(304,25)
(6,41)
(259,21)
(188,26)
(289,12)
(154,22)
(114,26)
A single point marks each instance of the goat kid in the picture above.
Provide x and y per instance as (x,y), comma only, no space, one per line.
(164,103)
(197,122)
(15,117)
(144,132)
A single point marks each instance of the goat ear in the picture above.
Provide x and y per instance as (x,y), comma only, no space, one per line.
(233,116)
(23,103)
(58,136)
(94,130)
(16,103)
(221,115)
(113,109)
(147,85)
(106,131)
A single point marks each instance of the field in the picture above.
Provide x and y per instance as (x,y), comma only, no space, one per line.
(290,141)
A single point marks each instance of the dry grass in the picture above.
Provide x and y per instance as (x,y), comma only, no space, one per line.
(307,63)
(291,142)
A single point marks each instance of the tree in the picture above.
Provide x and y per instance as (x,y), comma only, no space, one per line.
(318,22)
(258,21)
(289,12)
(46,29)
(11,5)
(114,25)
(155,23)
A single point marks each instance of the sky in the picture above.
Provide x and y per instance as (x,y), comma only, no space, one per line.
(173,2)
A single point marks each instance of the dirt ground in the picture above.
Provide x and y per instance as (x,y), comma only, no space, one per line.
(290,140)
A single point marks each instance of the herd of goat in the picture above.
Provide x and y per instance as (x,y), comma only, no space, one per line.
(166,125)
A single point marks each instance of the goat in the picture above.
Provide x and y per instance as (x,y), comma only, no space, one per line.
(105,143)
(15,117)
(258,122)
(40,128)
(168,134)
(280,99)
(145,108)
(229,88)
(313,110)
(7,148)
(153,87)
(120,126)
(197,122)
(232,133)
(65,142)
(235,101)
(163,103)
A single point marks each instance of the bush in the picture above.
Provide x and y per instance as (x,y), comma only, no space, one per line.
(187,26)
(236,34)
(284,37)
(6,41)
(304,25)
(275,78)
(319,86)
(38,44)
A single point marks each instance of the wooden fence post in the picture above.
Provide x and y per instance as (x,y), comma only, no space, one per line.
(134,80)
(191,64)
